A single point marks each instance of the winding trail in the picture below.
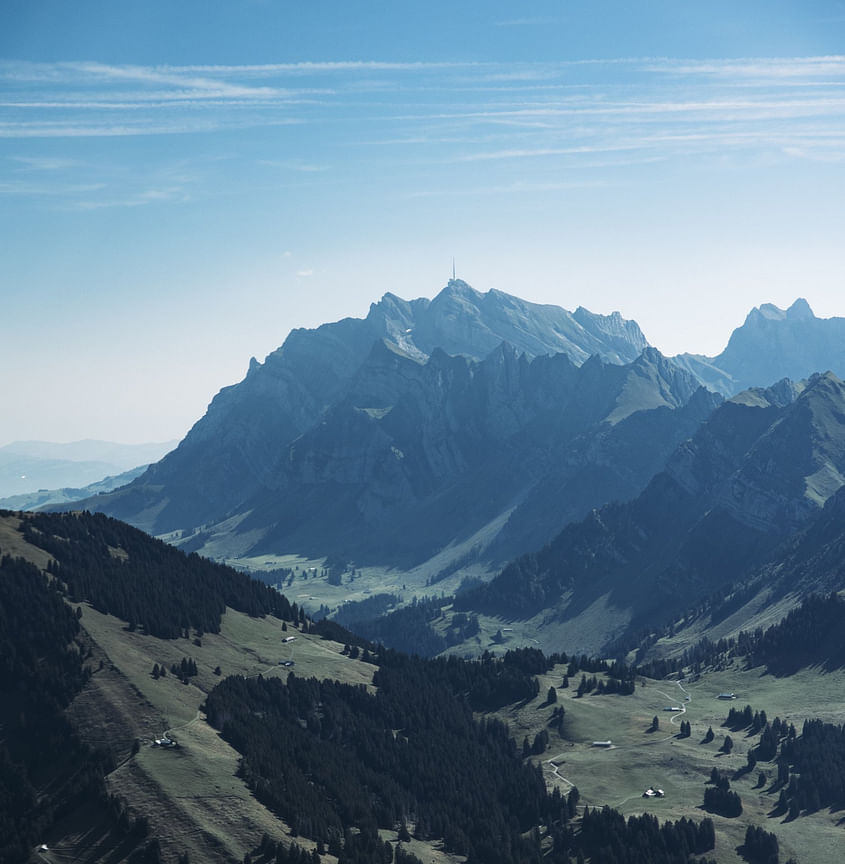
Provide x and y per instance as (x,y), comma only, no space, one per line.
(551,763)
(683,707)
(184,725)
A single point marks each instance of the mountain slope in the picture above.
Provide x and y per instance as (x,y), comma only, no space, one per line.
(234,458)
(773,344)
(757,471)
(420,456)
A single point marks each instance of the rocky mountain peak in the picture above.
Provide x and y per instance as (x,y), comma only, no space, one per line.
(800,310)
(774,343)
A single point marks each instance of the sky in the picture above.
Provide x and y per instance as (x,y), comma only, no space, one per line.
(181,184)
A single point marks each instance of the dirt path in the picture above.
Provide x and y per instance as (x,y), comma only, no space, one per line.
(196,717)
(551,763)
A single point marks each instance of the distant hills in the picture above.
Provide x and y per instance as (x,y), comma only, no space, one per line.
(45,499)
(29,466)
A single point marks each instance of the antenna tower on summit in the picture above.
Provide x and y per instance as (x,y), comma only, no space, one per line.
(453,269)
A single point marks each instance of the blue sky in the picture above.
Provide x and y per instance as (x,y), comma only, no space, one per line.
(181,184)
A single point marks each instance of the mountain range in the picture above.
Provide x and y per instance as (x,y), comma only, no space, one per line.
(417,428)
(467,428)
(611,504)
(772,344)
(758,472)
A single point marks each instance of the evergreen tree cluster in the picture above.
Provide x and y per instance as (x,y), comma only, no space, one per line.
(816,761)
(760,846)
(810,766)
(143,581)
(620,677)
(330,756)
(338,763)
(486,684)
(607,837)
(408,629)
(184,670)
(41,670)
(813,634)
(720,798)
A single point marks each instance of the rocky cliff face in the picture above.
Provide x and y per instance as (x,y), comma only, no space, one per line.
(235,451)
(773,344)
(758,471)
(418,456)
(430,420)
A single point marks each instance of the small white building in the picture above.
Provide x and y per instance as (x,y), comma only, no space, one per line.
(607,743)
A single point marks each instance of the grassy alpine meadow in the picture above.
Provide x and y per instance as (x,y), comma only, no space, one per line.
(190,793)
(639,759)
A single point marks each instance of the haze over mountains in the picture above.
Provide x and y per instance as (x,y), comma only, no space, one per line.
(474,423)
(404,416)
(27,466)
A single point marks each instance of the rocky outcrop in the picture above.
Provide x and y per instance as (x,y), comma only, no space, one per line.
(758,471)
(419,455)
(773,344)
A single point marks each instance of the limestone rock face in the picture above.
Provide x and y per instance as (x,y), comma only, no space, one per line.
(392,437)
(345,373)
(771,345)
(766,466)
(418,455)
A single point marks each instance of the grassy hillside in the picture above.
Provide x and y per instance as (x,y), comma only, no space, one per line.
(638,759)
(190,796)
(195,803)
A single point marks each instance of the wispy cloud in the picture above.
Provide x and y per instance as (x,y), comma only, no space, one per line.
(772,69)
(43,163)
(295,165)
(139,199)
(348,116)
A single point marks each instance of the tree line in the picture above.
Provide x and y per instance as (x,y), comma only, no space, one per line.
(123,572)
(42,667)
